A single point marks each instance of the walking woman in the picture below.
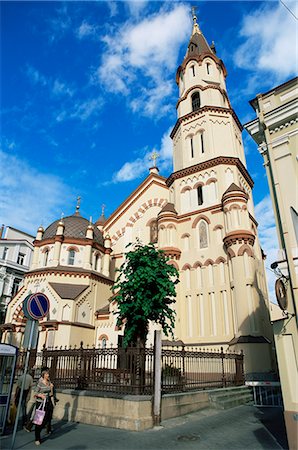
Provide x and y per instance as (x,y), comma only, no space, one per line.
(44,391)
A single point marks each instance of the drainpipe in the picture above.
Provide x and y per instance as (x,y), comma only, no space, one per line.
(266,153)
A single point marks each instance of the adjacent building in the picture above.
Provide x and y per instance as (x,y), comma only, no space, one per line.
(201,216)
(275,130)
(16,249)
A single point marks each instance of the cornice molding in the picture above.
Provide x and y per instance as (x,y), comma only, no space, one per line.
(203,88)
(59,270)
(218,109)
(227,160)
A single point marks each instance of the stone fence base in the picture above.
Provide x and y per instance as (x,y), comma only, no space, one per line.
(129,412)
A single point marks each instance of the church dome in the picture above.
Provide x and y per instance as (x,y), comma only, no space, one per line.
(75,226)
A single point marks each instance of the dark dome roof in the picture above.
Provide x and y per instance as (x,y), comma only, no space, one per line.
(75,227)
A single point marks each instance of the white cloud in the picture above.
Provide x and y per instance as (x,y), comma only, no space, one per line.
(136,6)
(139,167)
(81,110)
(60,88)
(86,30)
(113,8)
(268,238)
(140,58)
(269,45)
(35,76)
(29,196)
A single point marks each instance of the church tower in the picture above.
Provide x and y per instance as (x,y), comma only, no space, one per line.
(222,298)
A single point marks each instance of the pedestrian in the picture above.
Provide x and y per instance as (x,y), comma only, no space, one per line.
(28,383)
(44,391)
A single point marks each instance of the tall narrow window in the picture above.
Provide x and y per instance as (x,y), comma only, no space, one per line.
(191,147)
(200,195)
(202,144)
(71,257)
(21,258)
(203,234)
(153,231)
(208,68)
(193,70)
(15,286)
(5,251)
(46,257)
(195,100)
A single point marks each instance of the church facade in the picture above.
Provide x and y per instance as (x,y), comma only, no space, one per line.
(201,216)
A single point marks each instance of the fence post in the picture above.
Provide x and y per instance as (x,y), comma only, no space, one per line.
(223,376)
(239,377)
(157,379)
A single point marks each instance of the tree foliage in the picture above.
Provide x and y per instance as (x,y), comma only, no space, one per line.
(145,291)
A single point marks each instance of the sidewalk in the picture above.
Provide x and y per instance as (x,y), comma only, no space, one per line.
(241,428)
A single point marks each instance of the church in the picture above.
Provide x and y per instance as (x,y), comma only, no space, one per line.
(201,216)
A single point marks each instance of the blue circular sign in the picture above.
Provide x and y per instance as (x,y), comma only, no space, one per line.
(25,310)
(38,306)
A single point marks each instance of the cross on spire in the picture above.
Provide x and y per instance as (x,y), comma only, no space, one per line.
(154,157)
(103,207)
(193,12)
(78,204)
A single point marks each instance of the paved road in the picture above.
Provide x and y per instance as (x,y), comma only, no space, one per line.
(241,428)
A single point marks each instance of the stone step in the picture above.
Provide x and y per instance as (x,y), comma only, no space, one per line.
(232,403)
(230,397)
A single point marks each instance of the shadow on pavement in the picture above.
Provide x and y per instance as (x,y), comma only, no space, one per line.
(273,421)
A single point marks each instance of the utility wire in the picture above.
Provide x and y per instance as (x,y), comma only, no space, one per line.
(290,11)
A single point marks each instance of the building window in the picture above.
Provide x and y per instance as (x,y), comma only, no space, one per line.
(15,286)
(200,195)
(208,68)
(71,257)
(196,102)
(5,251)
(46,257)
(193,71)
(153,231)
(203,234)
(202,144)
(21,258)
(191,148)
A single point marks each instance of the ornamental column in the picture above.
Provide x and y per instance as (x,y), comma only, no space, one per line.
(106,258)
(38,238)
(58,243)
(88,247)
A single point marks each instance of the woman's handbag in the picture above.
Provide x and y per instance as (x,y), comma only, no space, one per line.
(39,414)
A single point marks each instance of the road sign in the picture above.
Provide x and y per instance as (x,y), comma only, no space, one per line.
(25,310)
(37,306)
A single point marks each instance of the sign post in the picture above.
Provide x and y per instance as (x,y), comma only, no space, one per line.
(35,307)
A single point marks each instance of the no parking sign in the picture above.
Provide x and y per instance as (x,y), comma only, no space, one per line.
(36,306)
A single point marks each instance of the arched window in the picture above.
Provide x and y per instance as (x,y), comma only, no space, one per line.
(153,231)
(203,234)
(208,68)
(97,262)
(71,257)
(200,195)
(46,258)
(192,68)
(195,100)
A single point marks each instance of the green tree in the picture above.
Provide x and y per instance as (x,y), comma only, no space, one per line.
(145,291)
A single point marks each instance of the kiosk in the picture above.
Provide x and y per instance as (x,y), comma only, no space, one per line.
(8,360)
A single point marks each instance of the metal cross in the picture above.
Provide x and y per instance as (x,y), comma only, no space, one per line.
(193,11)
(103,206)
(78,203)
(154,157)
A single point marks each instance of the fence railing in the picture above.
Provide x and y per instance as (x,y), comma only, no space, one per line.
(131,370)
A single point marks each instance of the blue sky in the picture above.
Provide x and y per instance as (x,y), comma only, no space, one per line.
(88,92)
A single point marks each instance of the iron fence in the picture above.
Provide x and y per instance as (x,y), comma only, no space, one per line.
(131,370)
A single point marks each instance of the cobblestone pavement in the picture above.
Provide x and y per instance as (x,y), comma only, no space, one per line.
(241,428)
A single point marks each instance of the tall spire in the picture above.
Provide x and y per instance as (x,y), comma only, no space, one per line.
(196,28)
